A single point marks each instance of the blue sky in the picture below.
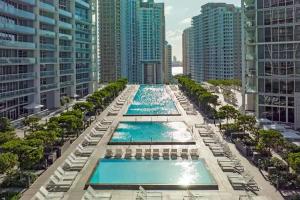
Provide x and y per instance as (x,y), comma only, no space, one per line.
(178,17)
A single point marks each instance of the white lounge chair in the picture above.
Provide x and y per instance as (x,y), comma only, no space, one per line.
(118,153)
(128,153)
(50,195)
(191,196)
(57,184)
(144,195)
(139,153)
(83,152)
(148,153)
(91,194)
(108,153)
(194,153)
(73,166)
(91,141)
(184,153)
(63,177)
(156,153)
(174,153)
(166,153)
(78,158)
(67,173)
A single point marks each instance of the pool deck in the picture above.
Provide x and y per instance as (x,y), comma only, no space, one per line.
(225,191)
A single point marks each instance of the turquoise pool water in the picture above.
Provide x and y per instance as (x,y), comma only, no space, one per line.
(151,132)
(152,100)
(151,172)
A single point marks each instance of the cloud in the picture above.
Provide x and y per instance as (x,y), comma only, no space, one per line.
(186,21)
(168,10)
(173,35)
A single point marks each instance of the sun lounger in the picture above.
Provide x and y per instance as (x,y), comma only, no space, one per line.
(156,154)
(174,153)
(148,153)
(138,153)
(194,153)
(191,196)
(112,113)
(59,184)
(118,153)
(67,173)
(50,195)
(83,152)
(166,153)
(75,159)
(184,153)
(143,194)
(101,128)
(91,141)
(128,153)
(108,153)
(73,166)
(95,133)
(106,121)
(217,152)
(91,194)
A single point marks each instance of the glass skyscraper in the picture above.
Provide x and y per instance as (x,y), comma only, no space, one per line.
(272,59)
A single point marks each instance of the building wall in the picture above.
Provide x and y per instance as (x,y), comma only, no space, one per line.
(168,63)
(47,50)
(272,54)
(217,39)
(187,50)
(110,39)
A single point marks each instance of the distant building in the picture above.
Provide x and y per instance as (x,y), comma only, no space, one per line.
(187,50)
(168,63)
(271,60)
(47,51)
(109,39)
(217,42)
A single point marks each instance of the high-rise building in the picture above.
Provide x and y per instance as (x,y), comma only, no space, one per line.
(151,27)
(271,65)
(109,24)
(187,50)
(168,63)
(217,42)
(47,50)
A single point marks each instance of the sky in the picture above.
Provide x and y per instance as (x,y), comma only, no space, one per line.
(178,17)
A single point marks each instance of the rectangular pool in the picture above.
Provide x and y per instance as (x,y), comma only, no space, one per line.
(154,174)
(152,100)
(143,133)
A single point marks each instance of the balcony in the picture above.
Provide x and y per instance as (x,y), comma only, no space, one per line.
(17,61)
(17,44)
(17,77)
(47,7)
(47,20)
(11,10)
(82,19)
(86,50)
(65,48)
(50,86)
(83,80)
(82,70)
(65,60)
(65,25)
(47,33)
(83,3)
(66,83)
(48,73)
(48,47)
(65,13)
(48,60)
(17,28)
(65,36)
(83,59)
(17,93)
(66,72)
(31,2)
(80,39)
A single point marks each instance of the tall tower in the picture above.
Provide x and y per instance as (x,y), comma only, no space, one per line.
(109,22)
(217,42)
(47,50)
(151,22)
(168,63)
(271,52)
(187,50)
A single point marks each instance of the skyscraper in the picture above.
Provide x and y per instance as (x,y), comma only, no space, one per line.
(168,63)
(187,50)
(151,27)
(271,59)
(109,22)
(217,42)
(47,50)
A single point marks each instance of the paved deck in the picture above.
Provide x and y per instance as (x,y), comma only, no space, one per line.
(225,191)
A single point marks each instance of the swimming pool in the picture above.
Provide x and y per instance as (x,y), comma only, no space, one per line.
(157,174)
(151,133)
(152,100)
